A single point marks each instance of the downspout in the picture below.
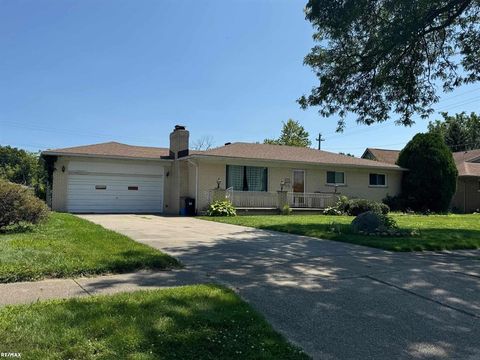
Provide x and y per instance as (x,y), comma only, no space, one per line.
(196,183)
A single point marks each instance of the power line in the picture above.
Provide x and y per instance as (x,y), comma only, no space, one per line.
(56,130)
(461,94)
(364,147)
(29,145)
(462,103)
(380,146)
(441,102)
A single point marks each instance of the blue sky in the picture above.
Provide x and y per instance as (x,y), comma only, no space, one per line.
(82,72)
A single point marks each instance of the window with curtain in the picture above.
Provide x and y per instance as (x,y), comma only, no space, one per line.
(247,178)
(235,177)
(335,178)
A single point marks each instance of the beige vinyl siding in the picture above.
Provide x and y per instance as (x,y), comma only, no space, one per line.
(180,180)
(209,172)
(59,185)
(357,179)
(91,164)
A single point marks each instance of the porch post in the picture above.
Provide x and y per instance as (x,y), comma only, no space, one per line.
(282,199)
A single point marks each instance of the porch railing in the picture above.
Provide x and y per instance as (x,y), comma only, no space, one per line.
(262,199)
(253,199)
(311,200)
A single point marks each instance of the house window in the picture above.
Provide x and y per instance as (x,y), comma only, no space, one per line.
(133,188)
(247,178)
(335,178)
(100,187)
(378,180)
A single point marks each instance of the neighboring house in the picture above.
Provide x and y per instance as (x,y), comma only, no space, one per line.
(467,196)
(113,177)
(382,155)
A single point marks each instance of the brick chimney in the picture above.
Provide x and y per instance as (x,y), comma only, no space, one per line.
(179,142)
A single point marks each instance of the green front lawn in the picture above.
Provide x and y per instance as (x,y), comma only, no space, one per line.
(436,232)
(69,246)
(191,322)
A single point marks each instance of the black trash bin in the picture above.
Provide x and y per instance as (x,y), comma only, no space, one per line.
(190,206)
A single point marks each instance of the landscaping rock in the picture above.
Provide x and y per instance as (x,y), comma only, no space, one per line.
(368,221)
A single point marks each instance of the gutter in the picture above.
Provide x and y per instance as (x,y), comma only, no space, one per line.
(219,157)
(54,153)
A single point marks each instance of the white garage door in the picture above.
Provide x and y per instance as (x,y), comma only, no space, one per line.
(115,193)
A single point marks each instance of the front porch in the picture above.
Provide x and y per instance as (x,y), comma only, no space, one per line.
(264,202)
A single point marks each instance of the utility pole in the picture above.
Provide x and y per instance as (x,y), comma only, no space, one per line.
(320,139)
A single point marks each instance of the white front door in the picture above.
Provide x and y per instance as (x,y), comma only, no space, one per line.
(298,181)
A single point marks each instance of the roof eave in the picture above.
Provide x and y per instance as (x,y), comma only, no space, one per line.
(397,168)
(118,157)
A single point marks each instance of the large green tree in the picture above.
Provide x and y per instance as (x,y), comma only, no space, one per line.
(375,58)
(293,134)
(461,132)
(431,179)
(23,167)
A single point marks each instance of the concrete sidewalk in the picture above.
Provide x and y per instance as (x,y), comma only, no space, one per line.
(28,292)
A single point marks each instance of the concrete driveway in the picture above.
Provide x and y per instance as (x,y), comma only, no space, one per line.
(335,300)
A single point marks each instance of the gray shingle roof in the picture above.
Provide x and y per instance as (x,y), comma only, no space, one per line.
(291,153)
(112,149)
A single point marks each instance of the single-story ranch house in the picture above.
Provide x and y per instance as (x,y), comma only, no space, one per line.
(467,196)
(118,178)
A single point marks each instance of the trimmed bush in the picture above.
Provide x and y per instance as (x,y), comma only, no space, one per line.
(221,208)
(431,180)
(19,205)
(356,207)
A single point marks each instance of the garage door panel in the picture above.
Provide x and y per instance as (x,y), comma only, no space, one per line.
(115,189)
(83,194)
(84,197)
(119,200)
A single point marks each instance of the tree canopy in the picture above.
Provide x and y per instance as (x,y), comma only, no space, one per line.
(375,58)
(22,167)
(293,134)
(431,180)
(461,132)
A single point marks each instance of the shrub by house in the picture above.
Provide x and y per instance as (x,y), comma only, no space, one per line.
(19,205)
(431,180)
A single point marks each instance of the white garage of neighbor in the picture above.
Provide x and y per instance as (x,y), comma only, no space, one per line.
(112,187)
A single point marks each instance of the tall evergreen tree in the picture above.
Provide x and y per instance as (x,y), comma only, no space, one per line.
(461,132)
(431,179)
